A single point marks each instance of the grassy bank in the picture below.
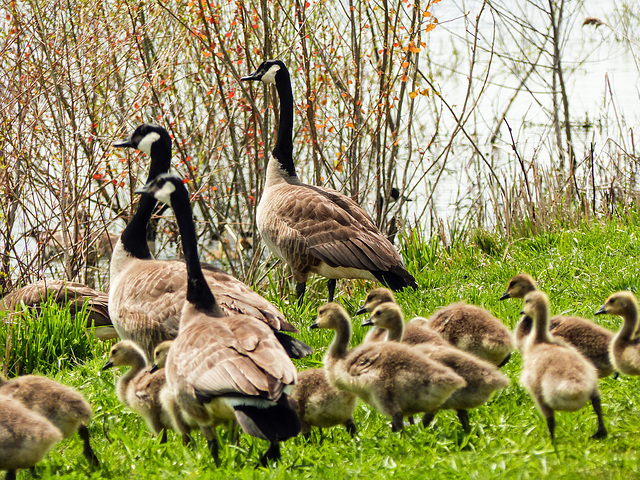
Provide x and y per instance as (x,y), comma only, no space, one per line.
(578,268)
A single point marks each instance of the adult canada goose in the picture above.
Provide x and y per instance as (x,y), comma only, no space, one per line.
(415,331)
(556,375)
(625,347)
(590,339)
(139,389)
(146,296)
(475,330)
(71,294)
(25,436)
(221,368)
(63,406)
(391,377)
(317,229)
(482,377)
(322,405)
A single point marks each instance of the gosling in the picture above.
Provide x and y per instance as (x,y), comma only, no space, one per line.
(590,339)
(554,373)
(389,376)
(625,347)
(25,436)
(322,405)
(482,377)
(63,406)
(138,388)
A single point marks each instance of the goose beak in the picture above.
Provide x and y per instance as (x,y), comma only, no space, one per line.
(107,365)
(314,325)
(254,76)
(367,322)
(126,142)
(361,310)
(505,295)
(154,368)
(142,190)
(601,310)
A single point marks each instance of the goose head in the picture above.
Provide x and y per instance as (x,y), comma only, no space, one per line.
(124,352)
(519,286)
(332,316)
(160,355)
(147,137)
(536,304)
(386,315)
(267,72)
(619,303)
(374,298)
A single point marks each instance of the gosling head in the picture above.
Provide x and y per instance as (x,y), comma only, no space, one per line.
(146,137)
(374,298)
(519,286)
(386,315)
(619,303)
(122,353)
(536,303)
(332,316)
(268,72)
(160,355)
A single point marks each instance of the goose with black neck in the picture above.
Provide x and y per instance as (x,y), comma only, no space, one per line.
(317,229)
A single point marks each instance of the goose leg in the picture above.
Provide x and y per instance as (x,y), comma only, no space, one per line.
(551,425)
(331,286)
(397,422)
(427,418)
(272,453)
(597,407)
(11,475)
(83,431)
(212,442)
(463,416)
(351,427)
(164,436)
(300,289)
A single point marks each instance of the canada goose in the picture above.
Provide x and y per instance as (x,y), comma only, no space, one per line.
(625,347)
(482,377)
(317,229)
(221,368)
(146,296)
(391,377)
(415,331)
(65,293)
(63,406)
(322,405)
(25,436)
(554,373)
(474,330)
(139,389)
(590,339)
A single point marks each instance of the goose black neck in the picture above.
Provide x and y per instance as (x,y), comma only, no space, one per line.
(283,151)
(198,292)
(134,236)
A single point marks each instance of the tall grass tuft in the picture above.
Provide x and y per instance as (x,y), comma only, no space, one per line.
(44,340)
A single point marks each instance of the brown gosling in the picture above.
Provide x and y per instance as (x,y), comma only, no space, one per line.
(625,347)
(475,330)
(391,377)
(139,389)
(482,377)
(590,339)
(25,436)
(322,405)
(63,406)
(556,375)
(416,331)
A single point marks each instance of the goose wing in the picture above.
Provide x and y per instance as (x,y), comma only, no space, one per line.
(231,355)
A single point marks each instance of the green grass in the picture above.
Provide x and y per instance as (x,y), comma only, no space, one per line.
(577,268)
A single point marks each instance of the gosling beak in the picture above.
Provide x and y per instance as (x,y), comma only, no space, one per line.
(314,325)
(601,310)
(361,310)
(505,295)
(107,365)
(367,322)
(154,368)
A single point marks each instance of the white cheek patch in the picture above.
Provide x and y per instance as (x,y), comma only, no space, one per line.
(270,76)
(164,193)
(145,144)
